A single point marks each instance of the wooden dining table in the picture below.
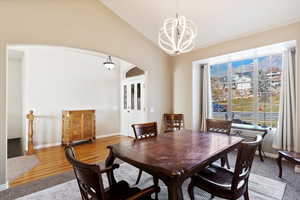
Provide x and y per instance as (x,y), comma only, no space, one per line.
(173,157)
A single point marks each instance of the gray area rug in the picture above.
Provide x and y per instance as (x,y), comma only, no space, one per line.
(260,188)
(19,165)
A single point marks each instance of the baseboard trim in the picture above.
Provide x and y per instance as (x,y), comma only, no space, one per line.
(41,146)
(4,186)
(269,155)
(107,135)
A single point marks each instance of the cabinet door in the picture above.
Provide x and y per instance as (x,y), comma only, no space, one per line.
(75,126)
(88,125)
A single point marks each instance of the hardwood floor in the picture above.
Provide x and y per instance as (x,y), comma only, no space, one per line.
(52,160)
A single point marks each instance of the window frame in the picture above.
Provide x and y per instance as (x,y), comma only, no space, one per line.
(255,90)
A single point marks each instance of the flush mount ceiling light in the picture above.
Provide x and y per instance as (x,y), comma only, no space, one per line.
(108,64)
(177,35)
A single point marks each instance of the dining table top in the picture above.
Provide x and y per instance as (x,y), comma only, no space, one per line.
(175,153)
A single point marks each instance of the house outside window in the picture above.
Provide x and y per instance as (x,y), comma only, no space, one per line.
(247,90)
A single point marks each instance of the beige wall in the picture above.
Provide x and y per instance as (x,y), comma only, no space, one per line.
(85,24)
(182,80)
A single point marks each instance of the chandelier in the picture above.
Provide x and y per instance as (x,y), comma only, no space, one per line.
(177,35)
(108,64)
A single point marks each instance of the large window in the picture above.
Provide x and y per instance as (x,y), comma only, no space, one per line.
(247,89)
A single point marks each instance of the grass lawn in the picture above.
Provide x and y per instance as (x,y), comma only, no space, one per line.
(248,104)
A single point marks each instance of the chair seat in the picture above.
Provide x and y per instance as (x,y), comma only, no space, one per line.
(214,177)
(291,155)
(121,191)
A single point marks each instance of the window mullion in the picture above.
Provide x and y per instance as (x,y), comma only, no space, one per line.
(229,74)
(255,89)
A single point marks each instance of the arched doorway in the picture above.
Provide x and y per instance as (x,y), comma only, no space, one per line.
(79,81)
(133,99)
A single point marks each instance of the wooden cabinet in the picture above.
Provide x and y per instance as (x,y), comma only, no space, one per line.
(78,125)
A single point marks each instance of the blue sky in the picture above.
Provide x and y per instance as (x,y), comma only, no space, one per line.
(220,70)
(237,64)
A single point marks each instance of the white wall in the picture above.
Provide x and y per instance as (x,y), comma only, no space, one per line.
(14,95)
(59,79)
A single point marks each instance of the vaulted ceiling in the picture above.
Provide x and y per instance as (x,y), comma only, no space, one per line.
(217,20)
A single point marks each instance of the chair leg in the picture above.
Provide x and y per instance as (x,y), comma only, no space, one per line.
(246,195)
(279,165)
(227,161)
(260,151)
(139,177)
(155,180)
(224,160)
(191,191)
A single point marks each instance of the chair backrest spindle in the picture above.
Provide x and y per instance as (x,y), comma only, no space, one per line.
(173,122)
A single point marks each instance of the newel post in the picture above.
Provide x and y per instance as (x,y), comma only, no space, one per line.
(30,118)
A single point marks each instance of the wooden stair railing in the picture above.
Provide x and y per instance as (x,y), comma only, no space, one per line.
(30,118)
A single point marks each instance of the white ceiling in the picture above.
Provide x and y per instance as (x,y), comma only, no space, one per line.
(217,20)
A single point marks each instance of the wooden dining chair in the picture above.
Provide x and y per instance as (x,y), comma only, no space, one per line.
(89,179)
(173,122)
(224,183)
(145,130)
(142,131)
(220,126)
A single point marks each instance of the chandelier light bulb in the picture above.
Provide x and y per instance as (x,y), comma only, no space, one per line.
(177,35)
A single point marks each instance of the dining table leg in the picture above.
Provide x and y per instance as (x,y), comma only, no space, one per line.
(109,162)
(174,189)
